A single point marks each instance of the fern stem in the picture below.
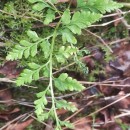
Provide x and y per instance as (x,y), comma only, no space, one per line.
(51,75)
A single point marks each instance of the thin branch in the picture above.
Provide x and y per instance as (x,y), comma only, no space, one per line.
(40,121)
(115,14)
(10,122)
(126,4)
(120,40)
(78,111)
(19,16)
(7,80)
(125,96)
(107,23)
(123,19)
(105,84)
(100,39)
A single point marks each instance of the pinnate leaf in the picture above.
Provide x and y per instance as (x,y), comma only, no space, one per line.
(33,65)
(40,6)
(67,36)
(33,50)
(66,105)
(65,53)
(98,6)
(25,43)
(40,103)
(67,124)
(27,76)
(50,16)
(45,46)
(64,82)
(32,35)
(66,17)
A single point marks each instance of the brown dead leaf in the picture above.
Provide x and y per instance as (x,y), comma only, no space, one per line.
(109,90)
(114,127)
(97,55)
(125,89)
(61,111)
(83,124)
(122,104)
(4,117)
(10,70)
(6,114)
(117,21)
(10,111)
(106,115)
(50,125)
(20,126)
(6,95)
(122,62)
(89,62)
(83,127)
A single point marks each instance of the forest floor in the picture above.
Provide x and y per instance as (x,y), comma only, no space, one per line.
(103,105)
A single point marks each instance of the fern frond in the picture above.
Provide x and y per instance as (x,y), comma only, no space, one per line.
(65,53)
(29,74)
(98,6)
(64,82)
(66,105)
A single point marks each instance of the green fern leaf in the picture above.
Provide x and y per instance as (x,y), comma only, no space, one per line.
(45,46)
(84,19)
(64,82)
(19,51)
(67,36)
(25,43)
(42,116)
(80,20)
(32,35)
(98,6)
(34,65)
(40,6)
(28,75)
(50,16)
(66,105)
(33,50)
(75,29)
(65,53)
(66,17)
(67,124)
(40,103)
(26,53)
(16,53)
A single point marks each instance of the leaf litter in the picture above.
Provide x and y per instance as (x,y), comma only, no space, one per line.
(104,104)
(100,94)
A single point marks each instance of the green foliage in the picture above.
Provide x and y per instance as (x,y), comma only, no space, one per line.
(68,51)
(28,75)
(107,54)
(67,124)
(29,48)
(50,16)
(43,50)
(64,82)
(99,6)
(40,103)
(66,105)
